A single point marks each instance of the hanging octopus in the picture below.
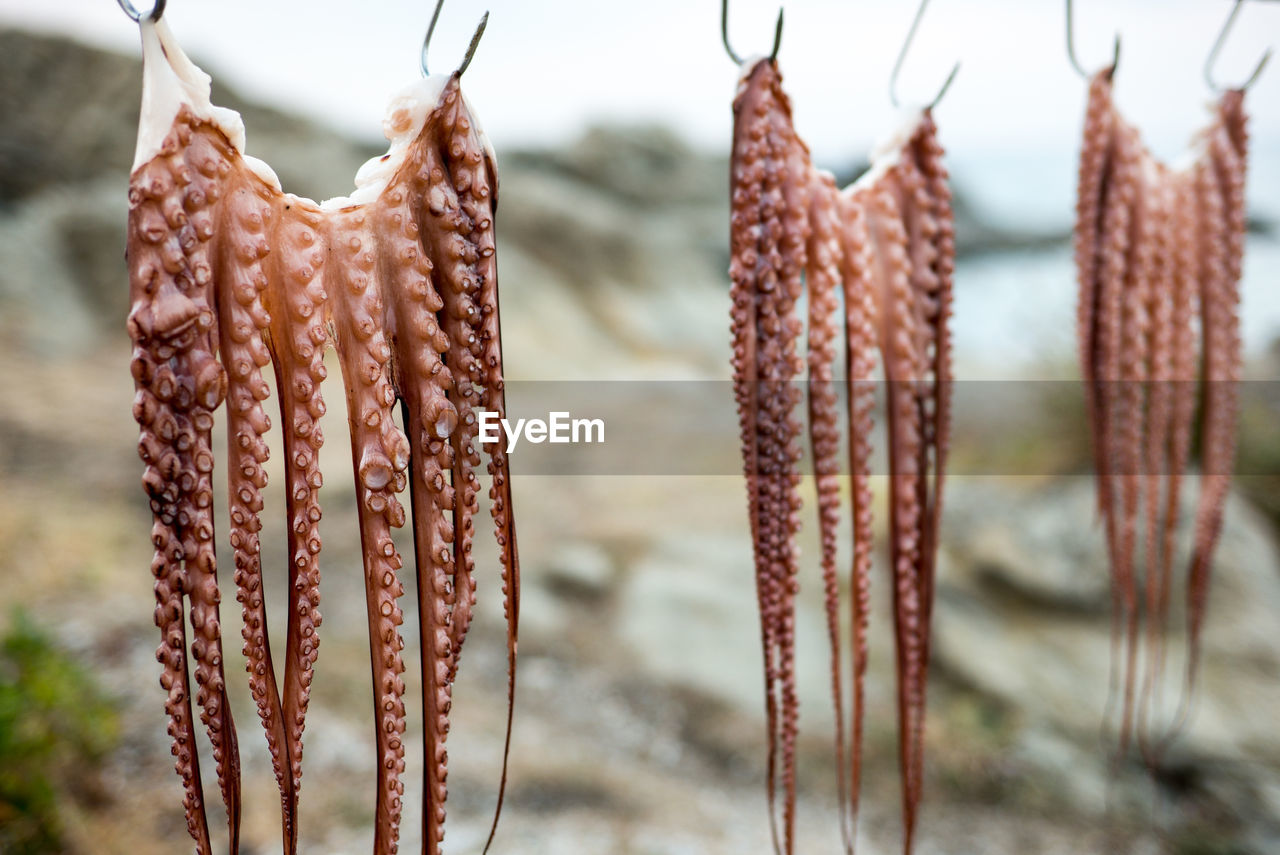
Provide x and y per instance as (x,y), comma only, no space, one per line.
(229,275)
(885,247)
(1158,254)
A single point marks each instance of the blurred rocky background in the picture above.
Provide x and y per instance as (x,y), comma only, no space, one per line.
(639,726)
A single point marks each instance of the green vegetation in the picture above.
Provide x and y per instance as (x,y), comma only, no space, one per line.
(55,728)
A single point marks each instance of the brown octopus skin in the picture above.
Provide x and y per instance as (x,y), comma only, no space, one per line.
(223,264)
(380,456)
(244,319)
(201,553)
(1160,378)
(1130,428)
(172,322)
(1168,253)
(423,384)
(823,277)
(890,247)
(1105,376)
(795,239)
(754,228)
(1096,161)
(899,331)
(452,166)
(930,228)
(860,361)
(296,300)
(1187,228)
(928,154)
(479,202)
(1222,197)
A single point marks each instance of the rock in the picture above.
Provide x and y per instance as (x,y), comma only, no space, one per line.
(645,164)
(1044,559)
(1023,619)
(580,570)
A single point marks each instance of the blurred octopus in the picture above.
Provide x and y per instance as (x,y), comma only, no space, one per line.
(229,275)
(883,249)
(1158,256)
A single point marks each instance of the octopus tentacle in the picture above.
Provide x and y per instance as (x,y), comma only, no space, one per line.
(860,359)
(478,199)
(899,329)
(929,221)
(1168,252)
(449,166)
(432,419)
(195,403)
(754,231)
(786,397)
(243,247)
(1105,359)
(1093,189)
(159,426)
(919,227)
(227,270)
(380,455)
(1187,228)
(929,160)
(179,384)
(823,276)
(297,338)
(888,242)
(1129,413)
(206,646)
(1221,193)
(1159,310)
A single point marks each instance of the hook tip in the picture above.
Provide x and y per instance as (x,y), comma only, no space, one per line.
(777,36)
(475,42)
(1257,72)
(946,85)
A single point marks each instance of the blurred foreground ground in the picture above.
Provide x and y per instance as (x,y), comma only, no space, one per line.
(639,720)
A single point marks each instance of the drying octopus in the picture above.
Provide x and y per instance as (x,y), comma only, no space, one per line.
(230,276)
(884,250)
(1158,255)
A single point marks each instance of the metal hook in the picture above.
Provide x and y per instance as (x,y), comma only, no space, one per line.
(471,48)
(136,16)
(1217,47)
(1071,45)
(902,55)
(724,33)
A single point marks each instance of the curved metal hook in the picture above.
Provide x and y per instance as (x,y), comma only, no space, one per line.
(1217,48)
(134,15)
(724,33)
(471,48)
(902,55)
(1071,45)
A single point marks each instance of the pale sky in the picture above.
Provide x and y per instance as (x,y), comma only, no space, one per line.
(547,68)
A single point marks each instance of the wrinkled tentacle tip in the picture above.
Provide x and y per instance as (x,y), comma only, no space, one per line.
(134,15)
